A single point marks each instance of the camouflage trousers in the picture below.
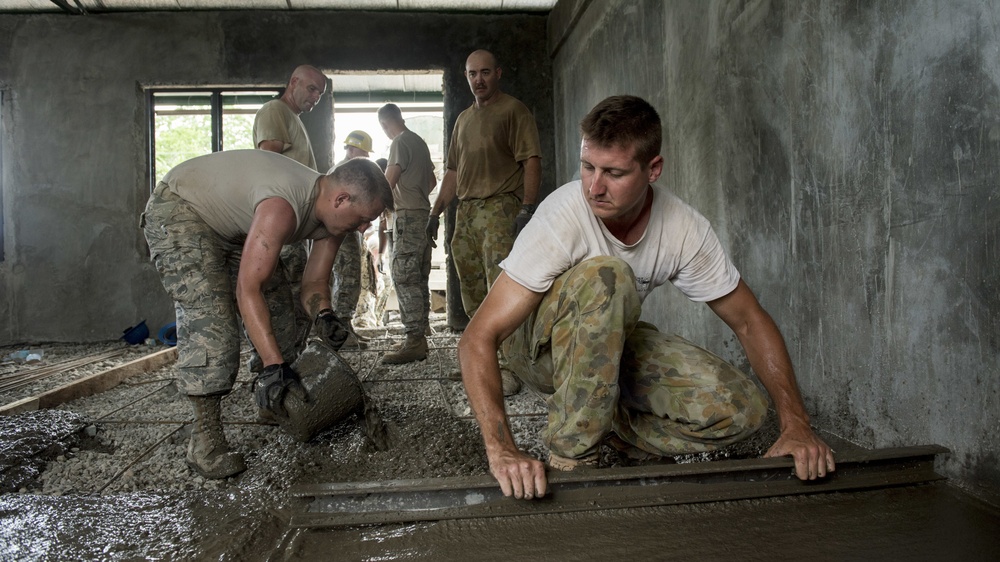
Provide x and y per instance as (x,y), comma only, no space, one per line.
(198,269)
(364,314)
(293,259)
(603,370)
(484,235)
(411,269)
(347,276)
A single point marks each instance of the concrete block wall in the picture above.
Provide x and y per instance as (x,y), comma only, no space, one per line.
(845,151)
(848,153)
(74,177)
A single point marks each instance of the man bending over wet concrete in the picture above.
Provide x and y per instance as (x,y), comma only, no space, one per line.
(229,214)
(566,309)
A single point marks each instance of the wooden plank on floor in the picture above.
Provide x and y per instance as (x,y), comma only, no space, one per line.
(28,404)
(92,384)
(105,380)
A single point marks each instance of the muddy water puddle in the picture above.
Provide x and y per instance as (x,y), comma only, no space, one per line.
(141,526)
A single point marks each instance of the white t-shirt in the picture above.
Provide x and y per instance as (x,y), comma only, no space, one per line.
(678,246)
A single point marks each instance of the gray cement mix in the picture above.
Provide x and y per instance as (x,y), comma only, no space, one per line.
(104,478)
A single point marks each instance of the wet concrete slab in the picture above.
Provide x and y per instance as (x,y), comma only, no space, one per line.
(126,493)
(926,522)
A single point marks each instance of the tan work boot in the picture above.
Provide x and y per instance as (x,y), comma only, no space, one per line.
(208,452)
(413,348)
(511,384)
(565,464)
(633,453)
(353,342)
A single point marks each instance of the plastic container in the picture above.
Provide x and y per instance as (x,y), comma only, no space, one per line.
(168,334)
(136,334)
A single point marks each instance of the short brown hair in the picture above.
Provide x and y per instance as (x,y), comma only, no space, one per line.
(390,111)
(363,177)
(625,121)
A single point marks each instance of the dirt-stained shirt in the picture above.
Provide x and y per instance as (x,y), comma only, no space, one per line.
(276,121)
(224,188)
(487,146)
(416,179)
(678,246)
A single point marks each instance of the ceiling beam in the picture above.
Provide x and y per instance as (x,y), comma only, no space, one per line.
(72,10)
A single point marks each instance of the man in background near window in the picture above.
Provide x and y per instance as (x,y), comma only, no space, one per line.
(347,267)
(277,128)
(410,172)
(495,169)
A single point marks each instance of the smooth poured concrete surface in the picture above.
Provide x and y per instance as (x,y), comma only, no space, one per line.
(925,522)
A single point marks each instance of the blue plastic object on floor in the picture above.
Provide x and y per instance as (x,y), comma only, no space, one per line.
(136,334)
(168,334)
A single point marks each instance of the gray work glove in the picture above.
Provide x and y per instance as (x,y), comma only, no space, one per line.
(432,230)
(332,329)
(522,218)
(273,383)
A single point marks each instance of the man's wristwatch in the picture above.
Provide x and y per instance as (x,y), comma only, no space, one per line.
(529,208)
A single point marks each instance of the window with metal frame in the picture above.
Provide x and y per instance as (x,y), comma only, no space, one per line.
(189,122)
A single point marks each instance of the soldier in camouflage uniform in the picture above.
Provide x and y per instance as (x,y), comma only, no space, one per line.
(410,173)
(347,266)
(567,307)
(494,168)
(233,211)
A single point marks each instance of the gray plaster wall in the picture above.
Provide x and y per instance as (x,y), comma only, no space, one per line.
(74,176)
(847,153)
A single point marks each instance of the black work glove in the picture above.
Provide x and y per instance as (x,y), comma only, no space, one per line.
(432,230)
(522,218)
(273,383)
(332,328)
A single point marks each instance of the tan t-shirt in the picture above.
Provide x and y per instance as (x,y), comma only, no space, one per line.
(411,154)
(487,145)
(224,188)
(276,121)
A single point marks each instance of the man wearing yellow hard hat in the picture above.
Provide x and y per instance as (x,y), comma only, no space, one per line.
(347,265)
(357,143)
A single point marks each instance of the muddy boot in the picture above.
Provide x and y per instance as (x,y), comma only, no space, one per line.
(634,454)
(414,348)
(266,416)
(353,342)
(565,464)
(208,452)
(511,384)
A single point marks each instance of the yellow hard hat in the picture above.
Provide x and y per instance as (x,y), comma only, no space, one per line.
(359,139)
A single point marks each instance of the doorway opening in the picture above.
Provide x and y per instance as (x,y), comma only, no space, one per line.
(356,100)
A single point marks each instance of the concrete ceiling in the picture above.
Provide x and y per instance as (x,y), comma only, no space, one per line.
(103,6)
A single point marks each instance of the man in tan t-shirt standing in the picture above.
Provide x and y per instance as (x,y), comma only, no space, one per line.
(278,128)
(410,173)
(495,169)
